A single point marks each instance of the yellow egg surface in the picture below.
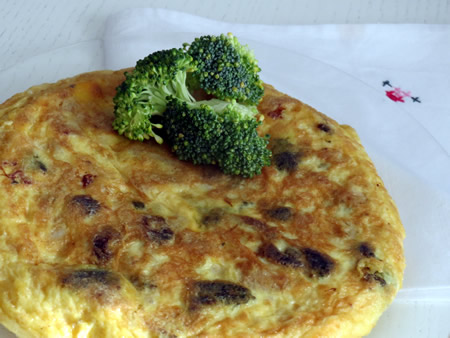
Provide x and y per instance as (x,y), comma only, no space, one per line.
(101,236)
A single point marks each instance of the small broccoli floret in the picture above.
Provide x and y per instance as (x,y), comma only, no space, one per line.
(225,69)
(144,92)
(217,132)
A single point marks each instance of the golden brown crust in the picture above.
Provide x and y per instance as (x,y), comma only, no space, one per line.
(114,237)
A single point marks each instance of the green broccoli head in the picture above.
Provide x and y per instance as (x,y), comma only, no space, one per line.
(217,132)
(220,131)
(226,69)
(144,92)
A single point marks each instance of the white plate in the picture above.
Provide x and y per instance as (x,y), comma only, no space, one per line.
(51,66)
(380,124)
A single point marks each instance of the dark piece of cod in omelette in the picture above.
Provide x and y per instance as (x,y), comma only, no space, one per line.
(101,236)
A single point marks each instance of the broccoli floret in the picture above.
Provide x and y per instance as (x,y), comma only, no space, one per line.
(225,69)
(217,132)
(144,92)
(220,131)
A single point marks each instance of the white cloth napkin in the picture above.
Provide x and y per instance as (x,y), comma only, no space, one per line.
(340,70)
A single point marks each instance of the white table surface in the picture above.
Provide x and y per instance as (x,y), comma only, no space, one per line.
(29,28)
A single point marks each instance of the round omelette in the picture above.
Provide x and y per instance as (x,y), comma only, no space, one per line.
(101,236)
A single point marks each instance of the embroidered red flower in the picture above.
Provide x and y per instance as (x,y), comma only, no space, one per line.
(397,95)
